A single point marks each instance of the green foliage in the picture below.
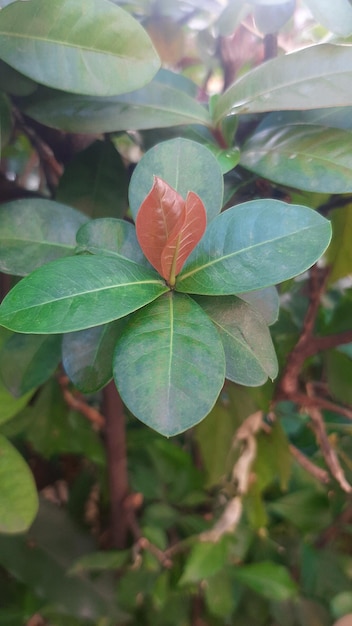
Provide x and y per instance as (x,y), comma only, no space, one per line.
(205,316)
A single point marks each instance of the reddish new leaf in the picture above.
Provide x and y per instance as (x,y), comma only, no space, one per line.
(168,228)
(180,245)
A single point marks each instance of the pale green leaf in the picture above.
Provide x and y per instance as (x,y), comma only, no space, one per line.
(335,16)
(158,104)
(254,245)
(339,253)
(34,232)
(18,495)
(249,351)
(313,158)
(82,46)
(77,293)
(111,237)
(315,77)
(169,364)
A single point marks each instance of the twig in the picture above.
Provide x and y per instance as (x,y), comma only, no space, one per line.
(77,402)
(329,453)
(288,385)
(321,403)
(240,476)
(52,169)
(320,474)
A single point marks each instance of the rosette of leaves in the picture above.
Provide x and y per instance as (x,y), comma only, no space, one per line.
(173,306)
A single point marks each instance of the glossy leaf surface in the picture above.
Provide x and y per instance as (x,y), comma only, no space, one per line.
(89,46)
(339,253)
(158,104)
(182,164)
(95,182)
(254,245)
(249,351)
(313,158)
(169,364)
(41,558)
(87,355)
(18,495)
(111,237)
(168,227)
(34,232)
(308,79)
(27,361)
(73,294)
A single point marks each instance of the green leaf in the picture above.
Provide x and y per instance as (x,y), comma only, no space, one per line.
(89,47)
(221,595)
(158,104)
(273,460)
(314,158)
(9,405)
(111,237)
(18,495)
(339,375)
(339,253)
(307,79)
(100,561)
(205,559)
(186,166)
(336,16)
(41,559)
(51,428)
(249,352)
(95,182)
(254,245)
(78,293)
(269,579)
(27,361)
(265,301)
(34,232)
(306,509)
(169,364)
(87,355)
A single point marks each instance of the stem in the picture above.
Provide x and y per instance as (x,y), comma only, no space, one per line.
(117,464)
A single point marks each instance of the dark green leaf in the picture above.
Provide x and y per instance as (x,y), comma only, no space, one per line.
(159,104)
(89,46)
(15,83)
(78,293)
(253,245)
(9,405)
(273,460)
(314,158)
(307,79)
(111,237)
(339,375)
(5,120)
(100,561)
(18,495)
(268,579)
(34,232)
(249,352)
(41,559)
(87,355)
(186,166)
(52,428)
(95,182)
(169,364)
(306,509)
(27,361)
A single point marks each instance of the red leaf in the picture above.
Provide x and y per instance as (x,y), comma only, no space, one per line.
(168,228)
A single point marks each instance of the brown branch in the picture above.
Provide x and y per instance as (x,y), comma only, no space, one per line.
(328,452)
(52,169)
(321,403)
(117,464)
(77,402)
(320,474)
(319,344)
(289,382)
